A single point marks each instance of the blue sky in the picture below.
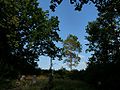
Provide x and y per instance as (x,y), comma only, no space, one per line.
(71,22)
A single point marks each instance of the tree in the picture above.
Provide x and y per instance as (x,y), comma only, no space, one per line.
(103,37)
(54,52)
(71,50)
(26,32)
(104,43)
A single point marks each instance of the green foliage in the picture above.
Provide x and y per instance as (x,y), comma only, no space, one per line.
(104,43)
(71,50)
(26,31)
(103,37)
(101,5)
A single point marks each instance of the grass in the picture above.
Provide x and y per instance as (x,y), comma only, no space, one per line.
(61,84)
(58,84)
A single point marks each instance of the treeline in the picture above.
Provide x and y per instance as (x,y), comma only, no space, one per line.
(62,74)
(102,77)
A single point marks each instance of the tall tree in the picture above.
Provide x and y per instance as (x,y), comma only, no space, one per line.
(26,31)
(53,53)
(104,38)
(71,50)
(104,43)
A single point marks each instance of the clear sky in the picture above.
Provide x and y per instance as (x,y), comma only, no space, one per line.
(71,22)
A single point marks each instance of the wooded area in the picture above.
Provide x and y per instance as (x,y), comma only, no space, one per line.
(27,32)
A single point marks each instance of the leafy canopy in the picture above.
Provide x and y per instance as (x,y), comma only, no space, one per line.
(101,5)
(104,43)
(26,32)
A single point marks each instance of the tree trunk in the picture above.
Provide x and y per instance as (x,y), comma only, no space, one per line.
(70,64)
(50,82)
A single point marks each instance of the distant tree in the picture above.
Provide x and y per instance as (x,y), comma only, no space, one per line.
(71,50)
(26,32)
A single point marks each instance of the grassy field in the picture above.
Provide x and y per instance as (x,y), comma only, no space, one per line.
(61,84)
(58,84)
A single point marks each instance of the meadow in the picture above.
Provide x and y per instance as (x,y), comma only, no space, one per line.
(42,84)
